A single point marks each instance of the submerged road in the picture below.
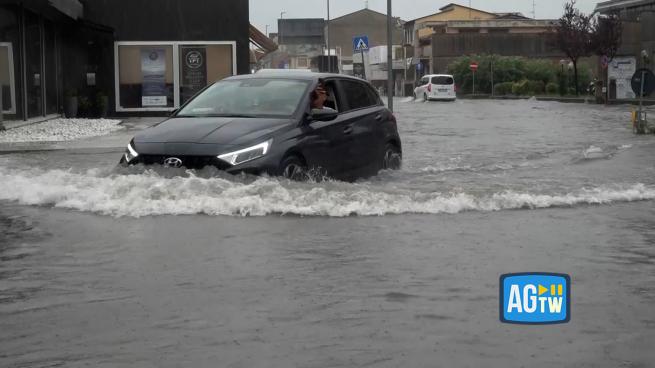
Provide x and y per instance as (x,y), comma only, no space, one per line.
(160,268)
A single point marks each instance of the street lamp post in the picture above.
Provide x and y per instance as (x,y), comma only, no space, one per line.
(389,58)
(279,31)
(328,38)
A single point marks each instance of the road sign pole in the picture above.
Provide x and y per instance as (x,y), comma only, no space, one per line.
(492,78)
(363,64)
(473,82)
(389,58)
(328,38)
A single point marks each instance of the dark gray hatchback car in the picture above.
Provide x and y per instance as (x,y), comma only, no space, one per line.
(263,124)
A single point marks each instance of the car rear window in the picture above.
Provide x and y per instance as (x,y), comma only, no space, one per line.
(442,80)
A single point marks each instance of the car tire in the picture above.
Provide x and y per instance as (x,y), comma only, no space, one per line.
(392,158)
(293,168)
(425,97)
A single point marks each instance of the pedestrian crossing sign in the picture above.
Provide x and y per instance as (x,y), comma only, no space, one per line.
(360,43)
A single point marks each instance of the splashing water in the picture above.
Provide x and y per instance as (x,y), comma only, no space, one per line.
(150,193)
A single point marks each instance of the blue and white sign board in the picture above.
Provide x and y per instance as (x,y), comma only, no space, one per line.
(360,43)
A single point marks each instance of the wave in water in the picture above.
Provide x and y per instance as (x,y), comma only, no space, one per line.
(150,193)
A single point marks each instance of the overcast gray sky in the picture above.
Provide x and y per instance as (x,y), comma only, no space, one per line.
(263,12)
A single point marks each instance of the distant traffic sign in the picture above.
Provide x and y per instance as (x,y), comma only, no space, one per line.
(648,82)
(474,66)
(360,43)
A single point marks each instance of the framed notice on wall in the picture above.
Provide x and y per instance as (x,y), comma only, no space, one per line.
(153,71)
(193,70)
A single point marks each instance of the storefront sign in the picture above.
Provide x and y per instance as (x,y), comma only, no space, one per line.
(194,70)
(153,70)
(621,69)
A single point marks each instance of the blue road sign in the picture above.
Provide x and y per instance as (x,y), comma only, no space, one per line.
(360,43)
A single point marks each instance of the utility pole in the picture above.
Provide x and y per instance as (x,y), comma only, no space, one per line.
(267,30)
(389,58)
(534,9)
(328,38)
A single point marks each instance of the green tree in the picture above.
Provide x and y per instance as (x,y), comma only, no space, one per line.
(574,37)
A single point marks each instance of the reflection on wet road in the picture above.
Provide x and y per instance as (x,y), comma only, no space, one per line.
(88,276)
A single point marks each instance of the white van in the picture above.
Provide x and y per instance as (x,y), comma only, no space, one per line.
(436,87)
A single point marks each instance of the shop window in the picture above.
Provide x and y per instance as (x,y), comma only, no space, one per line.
(145,77)
(7,83)
(302,62)
(160,76)
(201,65)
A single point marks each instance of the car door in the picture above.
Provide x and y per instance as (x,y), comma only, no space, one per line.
(422,87)
(324,142)
(364,113)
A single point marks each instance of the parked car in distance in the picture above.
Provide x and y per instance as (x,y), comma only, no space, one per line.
(263,124)
(436,87)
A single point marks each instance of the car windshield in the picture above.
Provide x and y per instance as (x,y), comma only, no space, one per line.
(257,97)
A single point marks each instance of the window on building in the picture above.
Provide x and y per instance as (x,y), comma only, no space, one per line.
(357,95)
(302,62)
(9,74)
(160,76)
(7,82)
(145,77)
(201,65)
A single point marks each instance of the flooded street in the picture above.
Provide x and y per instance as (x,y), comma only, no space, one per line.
(131,267)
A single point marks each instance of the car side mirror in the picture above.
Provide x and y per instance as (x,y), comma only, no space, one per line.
(323,115)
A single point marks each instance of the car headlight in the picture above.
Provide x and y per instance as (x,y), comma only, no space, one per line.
(246,154)
(130,152)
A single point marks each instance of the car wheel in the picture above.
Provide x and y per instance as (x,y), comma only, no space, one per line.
(425,97)
(293,168)
(392,159)
(415,95)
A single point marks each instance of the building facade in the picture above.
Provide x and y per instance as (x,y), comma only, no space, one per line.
(637,48)
(437,39)
(301,41)
(638,19)
(133,56)
(530,38)
(365,22)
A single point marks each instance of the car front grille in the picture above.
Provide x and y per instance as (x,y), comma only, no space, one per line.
(189,162)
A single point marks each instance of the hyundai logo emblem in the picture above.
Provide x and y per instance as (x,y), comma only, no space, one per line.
(173,162)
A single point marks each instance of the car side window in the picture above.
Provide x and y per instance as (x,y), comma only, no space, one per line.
(357,95)
(374,96)
(424,81)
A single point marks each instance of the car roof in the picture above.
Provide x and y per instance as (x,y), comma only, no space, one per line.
(438,75)
(292,74)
